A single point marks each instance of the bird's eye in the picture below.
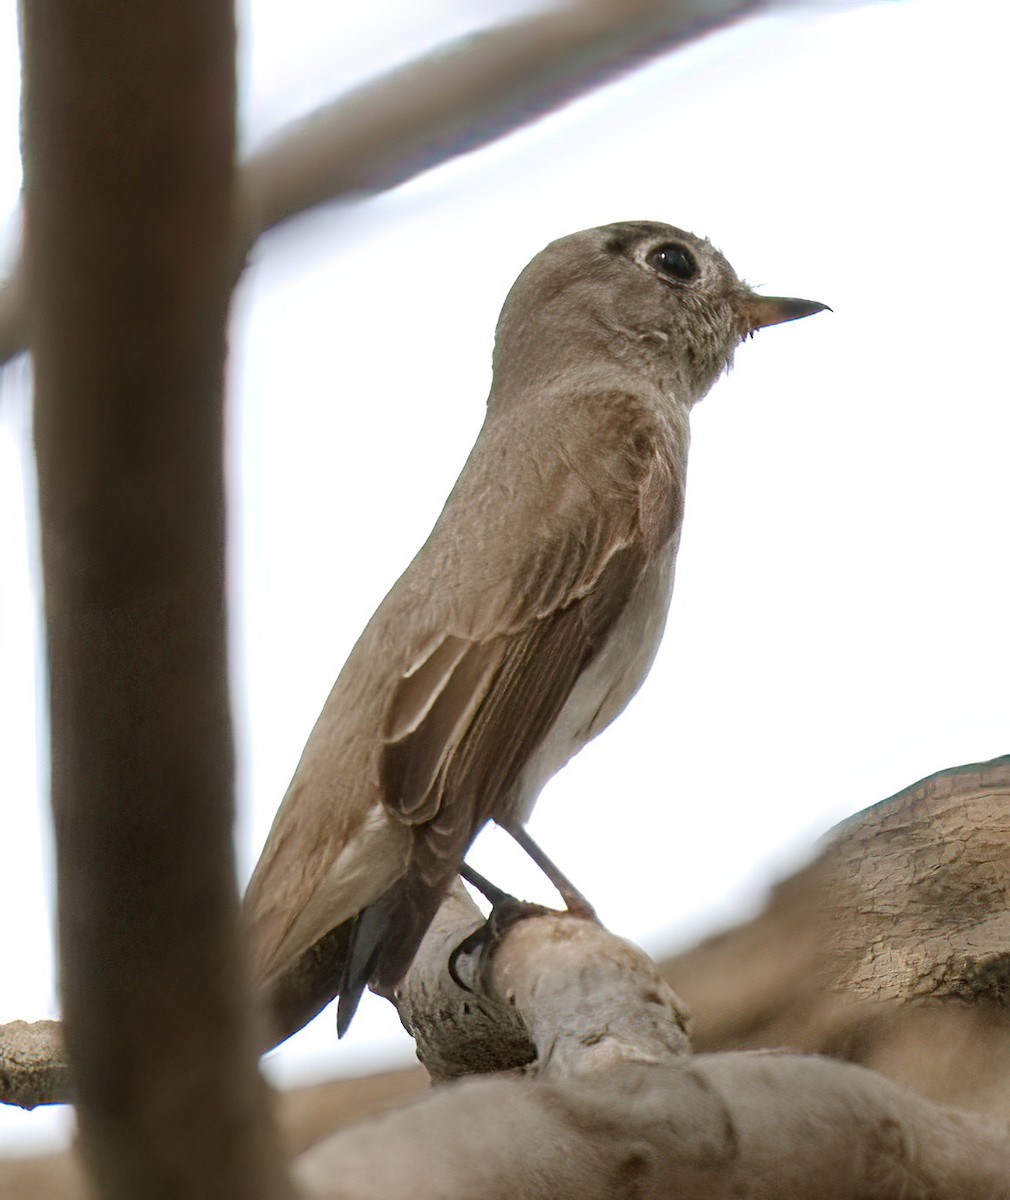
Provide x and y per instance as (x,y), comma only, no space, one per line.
(674,261)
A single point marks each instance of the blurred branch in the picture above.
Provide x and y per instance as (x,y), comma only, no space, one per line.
(304,1117)
(129,200)
(905,908)
(463,96)
(33,1067)
(613,1103)
(452,101)
(13,334)
(719,1126)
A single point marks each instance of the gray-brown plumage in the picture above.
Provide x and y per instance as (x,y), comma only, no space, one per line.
(532,613)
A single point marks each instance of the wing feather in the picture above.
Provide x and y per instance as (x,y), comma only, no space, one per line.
(467,663)
(526,619)
(412,765)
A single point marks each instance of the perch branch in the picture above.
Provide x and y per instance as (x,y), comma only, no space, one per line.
(616,1106)
(558,990)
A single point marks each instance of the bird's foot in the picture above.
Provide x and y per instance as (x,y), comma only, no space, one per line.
(506,911)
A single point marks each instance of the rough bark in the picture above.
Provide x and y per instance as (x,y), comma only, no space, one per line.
(891,949)
(553,993)
(720,1126)
(801,974)
(129,136)
(617,1108)
(33,1066)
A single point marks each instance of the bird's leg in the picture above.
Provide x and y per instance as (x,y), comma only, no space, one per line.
(574,900)
(506,909)
(494,895)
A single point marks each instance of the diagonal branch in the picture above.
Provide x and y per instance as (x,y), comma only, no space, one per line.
(464,96)
(455,100)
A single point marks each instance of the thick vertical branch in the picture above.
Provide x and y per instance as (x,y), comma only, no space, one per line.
(128,117)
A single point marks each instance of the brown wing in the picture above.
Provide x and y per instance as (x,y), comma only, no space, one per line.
(465,782)
(472,654)
(465,720)
(491,713)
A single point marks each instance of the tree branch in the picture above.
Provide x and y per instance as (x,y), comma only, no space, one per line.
(13,335)
(612,1100)
(809,972)
(33,1068)
(463,96)
(129,136)
(907,904)
(453,101)
(720,1126)
(557,991)
(616,1106)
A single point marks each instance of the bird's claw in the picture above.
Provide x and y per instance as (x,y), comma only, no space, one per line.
(506,913)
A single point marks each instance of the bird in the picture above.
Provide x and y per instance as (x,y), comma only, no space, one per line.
(529,617)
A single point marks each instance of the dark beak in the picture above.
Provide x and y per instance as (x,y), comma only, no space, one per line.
(773,310)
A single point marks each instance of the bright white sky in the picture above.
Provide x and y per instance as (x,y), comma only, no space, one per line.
(839,625)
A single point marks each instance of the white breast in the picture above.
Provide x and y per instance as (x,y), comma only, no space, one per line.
(605,687)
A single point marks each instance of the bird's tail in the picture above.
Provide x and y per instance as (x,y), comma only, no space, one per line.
(368,930)
(292,998)
(375,946)
(384,940)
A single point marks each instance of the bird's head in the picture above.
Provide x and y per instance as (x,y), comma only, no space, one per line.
(657,299)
